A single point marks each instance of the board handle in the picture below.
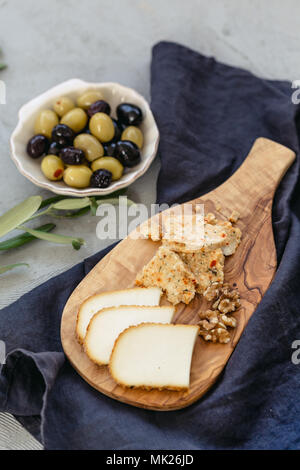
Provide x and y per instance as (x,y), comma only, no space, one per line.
(259,175)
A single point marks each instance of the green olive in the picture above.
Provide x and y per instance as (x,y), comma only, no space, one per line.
(111,164)
(63,105)
(45,122)
(77,176)
(89,97)
(102,127)
(90,145)
(52,167)
(76,119)
(134,134)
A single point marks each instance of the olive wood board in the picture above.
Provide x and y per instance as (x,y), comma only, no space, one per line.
(250,191)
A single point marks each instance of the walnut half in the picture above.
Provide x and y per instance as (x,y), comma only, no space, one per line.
(213,326)
(228,300)
(214,323)
(213,291)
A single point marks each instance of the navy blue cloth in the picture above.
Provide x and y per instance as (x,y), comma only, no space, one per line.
(209,115)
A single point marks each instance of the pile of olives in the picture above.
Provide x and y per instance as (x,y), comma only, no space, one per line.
(83,145)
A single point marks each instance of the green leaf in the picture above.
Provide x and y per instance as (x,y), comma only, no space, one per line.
(72,204)
(3,66)
(18,214)
(9,267)
(51,200)
(52,237)
(20,240)
(70,215)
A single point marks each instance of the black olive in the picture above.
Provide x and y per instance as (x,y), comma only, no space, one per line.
(127,153)
(37,146)
(129,114)
(101,179)
(54,149)
(121,125)
(63,135)
(99,106)
(118,130)
(72,156)
(109,149)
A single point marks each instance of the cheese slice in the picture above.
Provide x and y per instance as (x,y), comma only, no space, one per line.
(136,296)
(106,325)
(154,356)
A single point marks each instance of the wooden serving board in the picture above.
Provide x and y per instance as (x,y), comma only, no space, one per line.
(250,190)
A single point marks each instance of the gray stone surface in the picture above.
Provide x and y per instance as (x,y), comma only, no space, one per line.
(46,42)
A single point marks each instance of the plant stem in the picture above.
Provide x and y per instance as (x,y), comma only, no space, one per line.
(78,213)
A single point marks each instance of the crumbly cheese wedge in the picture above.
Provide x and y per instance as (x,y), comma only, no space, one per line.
(154,356)
(232,239)
(167,271)
(92,305)
(106,325)
(215,236)
(184,228)
(206,265)
(190,233)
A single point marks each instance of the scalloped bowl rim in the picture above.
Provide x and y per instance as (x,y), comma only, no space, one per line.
(32,107)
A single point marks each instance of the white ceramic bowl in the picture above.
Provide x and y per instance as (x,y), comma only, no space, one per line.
(114,94)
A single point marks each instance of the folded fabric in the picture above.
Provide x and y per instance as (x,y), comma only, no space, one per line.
(209,115)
